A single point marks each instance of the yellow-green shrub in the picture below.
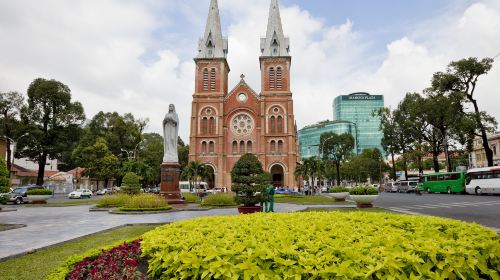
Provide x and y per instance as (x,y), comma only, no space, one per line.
(219,199)
(145,201)
(190,197)
(322,245)
(114,200)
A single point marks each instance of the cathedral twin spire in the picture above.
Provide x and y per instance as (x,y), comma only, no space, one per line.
(213,45)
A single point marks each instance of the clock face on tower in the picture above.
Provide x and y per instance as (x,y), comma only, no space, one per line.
(242,97)
(242,124)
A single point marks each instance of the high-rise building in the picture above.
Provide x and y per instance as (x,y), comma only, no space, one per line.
(309,136)
(226,124)
(361,109)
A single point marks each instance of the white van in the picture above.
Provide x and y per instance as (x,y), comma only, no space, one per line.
(185,187)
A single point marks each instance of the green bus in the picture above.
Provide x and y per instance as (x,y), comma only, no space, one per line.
(449,182)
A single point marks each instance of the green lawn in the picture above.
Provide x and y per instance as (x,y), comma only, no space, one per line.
(66,203)
(39,264)
(345,209)
(310,199)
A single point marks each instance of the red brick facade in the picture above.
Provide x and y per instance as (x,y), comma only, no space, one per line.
(225,125)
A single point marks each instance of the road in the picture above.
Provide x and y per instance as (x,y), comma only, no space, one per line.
(483,210)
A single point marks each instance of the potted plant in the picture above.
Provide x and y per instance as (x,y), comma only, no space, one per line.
(39,196)
(363,196)
(249,182)
(340,193)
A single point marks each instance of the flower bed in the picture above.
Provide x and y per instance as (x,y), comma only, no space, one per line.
(353,245)
(121,262)
(319,245)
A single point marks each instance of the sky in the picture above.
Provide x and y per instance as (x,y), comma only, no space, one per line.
(137,56)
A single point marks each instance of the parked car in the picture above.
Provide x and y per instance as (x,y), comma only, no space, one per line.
(407,186)
(19,195)
(80,193)
(218,190)
(103,192)
(388,186)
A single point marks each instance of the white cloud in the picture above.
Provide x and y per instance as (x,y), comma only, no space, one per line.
(97,48)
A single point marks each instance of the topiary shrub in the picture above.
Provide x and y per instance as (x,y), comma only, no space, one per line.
(249,180)
(363,191)
(39,192)
(4,177)
(322,245)
(131,183)
(338,189)
(219,199)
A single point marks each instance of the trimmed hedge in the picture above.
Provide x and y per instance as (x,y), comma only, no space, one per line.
(363,191)
(145,201)
(219,199)
(338,189)
(39,192)
(114,200)
(124,209)
(190,197)
(322,245)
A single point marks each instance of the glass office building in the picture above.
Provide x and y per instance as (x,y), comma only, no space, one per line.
(309,136)
(361,108)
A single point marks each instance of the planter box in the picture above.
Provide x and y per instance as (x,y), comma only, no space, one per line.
(340,196)
(39,199)
(364,201)
(249,209)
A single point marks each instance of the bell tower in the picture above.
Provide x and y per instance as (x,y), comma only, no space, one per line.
(275,57)
(211,65)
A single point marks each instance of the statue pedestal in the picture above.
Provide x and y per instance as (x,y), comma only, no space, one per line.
(169,187)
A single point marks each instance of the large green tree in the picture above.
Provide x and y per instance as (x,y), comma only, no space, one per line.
(336,148)
(460,79)
(390,137)
(100,163)
(49,120)
(10,108)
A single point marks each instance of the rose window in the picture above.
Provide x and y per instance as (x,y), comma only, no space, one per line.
(242,124)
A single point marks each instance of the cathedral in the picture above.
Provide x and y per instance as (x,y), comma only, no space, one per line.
(226,124)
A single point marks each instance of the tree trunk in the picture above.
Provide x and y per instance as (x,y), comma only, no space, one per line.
(404,164)
(435,161)
(420,165)
(393,167)
(337,166)
(447,154)
(41,169)
(484,137)
(9,155)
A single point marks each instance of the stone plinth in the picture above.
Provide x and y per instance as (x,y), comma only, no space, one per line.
(169,187)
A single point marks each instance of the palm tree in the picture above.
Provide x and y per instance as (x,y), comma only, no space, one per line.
(313,169)
(195,171)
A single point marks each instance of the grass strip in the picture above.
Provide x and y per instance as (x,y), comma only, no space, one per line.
(39,264)
(310,199)
(65,203)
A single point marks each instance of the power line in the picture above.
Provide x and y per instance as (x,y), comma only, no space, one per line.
(498,54)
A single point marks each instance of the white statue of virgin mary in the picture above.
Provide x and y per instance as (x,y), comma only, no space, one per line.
(170,132)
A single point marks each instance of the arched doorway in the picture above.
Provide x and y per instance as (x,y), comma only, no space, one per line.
(209,176)
(277,174)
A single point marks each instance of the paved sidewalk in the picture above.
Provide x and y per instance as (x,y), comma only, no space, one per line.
(51,225)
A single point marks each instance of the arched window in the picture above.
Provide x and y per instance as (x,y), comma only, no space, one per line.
(280,147)
(249,147)
(279,83)
(280,124)
(212,79)
(203,147)
(205,79)
(273,146)
(272,124)
(211,147)
(271,78)
(242,147)
(204,125)
(235,147)
(211,126)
